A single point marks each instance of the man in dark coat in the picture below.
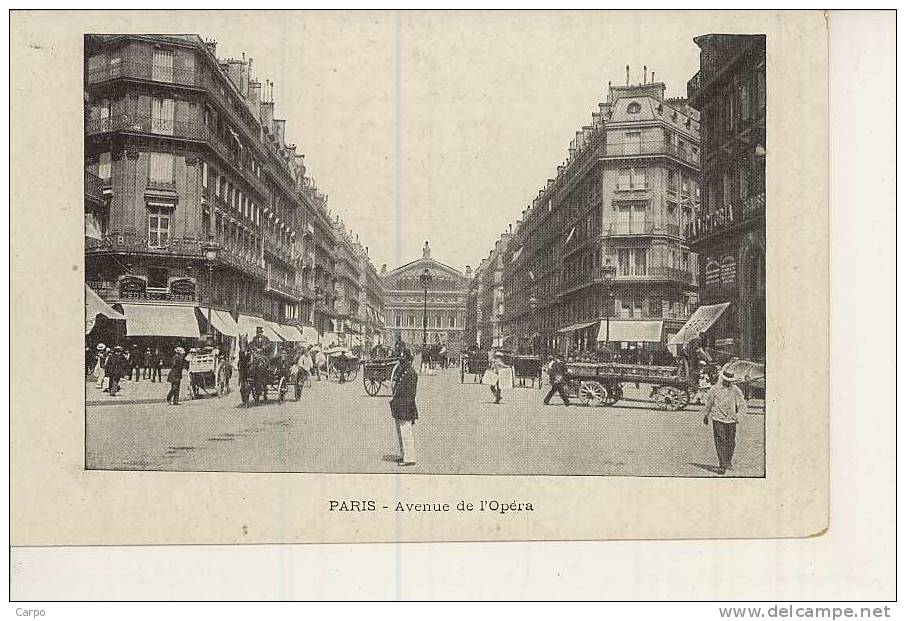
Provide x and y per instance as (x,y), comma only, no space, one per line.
(157,363)
(399,348)
(260,341)
(557,372)
(177,364)
(404,410)
(113,368)
(137,360)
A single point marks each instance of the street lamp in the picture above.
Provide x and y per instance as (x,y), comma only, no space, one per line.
(425,278)
(319,296)
(533,305)
(210,255)
(608,274)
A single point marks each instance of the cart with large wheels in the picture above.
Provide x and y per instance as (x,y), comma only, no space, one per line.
(597,384)
(203,369)
(378,373)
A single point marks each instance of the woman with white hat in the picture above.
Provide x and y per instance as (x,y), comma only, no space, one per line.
(724,406)
(99,369)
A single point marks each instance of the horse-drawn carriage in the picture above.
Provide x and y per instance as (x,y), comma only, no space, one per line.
(472,362)
(377,374)
(601,383)
(341,363)
(262,371)
(526,368)
(435,356)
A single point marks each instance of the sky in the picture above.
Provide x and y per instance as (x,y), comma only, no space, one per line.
(442,126)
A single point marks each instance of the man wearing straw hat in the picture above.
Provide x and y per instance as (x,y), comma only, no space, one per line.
(724,406)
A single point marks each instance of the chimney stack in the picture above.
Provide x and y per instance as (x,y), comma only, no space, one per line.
(627,75)
(644,74)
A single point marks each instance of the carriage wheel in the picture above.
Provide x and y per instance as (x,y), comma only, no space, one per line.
(592,393)
(332,373)
(614,394)
(281,390)
(372,386)
(352,374)
(671,398)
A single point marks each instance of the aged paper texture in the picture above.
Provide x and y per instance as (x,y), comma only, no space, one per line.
(82,472)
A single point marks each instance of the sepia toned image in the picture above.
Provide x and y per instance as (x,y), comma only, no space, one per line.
(421,276)
(604,316)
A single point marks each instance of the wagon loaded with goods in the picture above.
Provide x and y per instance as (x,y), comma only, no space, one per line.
(601,383)
(378,373)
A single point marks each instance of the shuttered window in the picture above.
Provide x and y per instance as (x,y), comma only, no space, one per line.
(162,110)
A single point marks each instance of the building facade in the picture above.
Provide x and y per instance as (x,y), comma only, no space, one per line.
(618,205)
(196,198)
(729,230)
(405,304)
(490,297)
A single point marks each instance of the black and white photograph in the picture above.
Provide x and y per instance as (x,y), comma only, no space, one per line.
(412,258)
(472,304)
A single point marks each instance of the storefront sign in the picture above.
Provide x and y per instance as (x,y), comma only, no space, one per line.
(183,286)
(131,286)
(728,269)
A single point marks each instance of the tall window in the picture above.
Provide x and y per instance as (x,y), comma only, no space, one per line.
(624,180)
(640,261)
(162,167)
(624,261)
(671,180)
(639,179)
(104,166)
(162,66)
(162,116)
(632,143)
(204,174)
(158,226)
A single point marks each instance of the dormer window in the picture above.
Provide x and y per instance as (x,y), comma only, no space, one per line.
(633,108)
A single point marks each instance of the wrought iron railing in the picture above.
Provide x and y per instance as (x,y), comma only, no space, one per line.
(652,147)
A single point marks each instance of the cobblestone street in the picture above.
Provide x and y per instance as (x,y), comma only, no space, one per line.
(338,428)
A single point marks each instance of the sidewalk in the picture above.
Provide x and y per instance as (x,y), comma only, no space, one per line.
(144,391)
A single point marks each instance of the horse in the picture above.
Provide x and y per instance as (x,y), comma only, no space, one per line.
(254,376)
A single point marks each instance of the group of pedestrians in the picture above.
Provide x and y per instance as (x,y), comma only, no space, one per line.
(112,365)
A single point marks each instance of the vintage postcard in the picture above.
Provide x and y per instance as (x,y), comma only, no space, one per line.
(419,276)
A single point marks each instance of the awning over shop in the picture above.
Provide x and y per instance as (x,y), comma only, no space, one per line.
(701,320)
(309,335)
(95,306)
(222,321)
(577,326)
(161,320)
(290,333)
(622,330)
(330,338)
(248,327)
